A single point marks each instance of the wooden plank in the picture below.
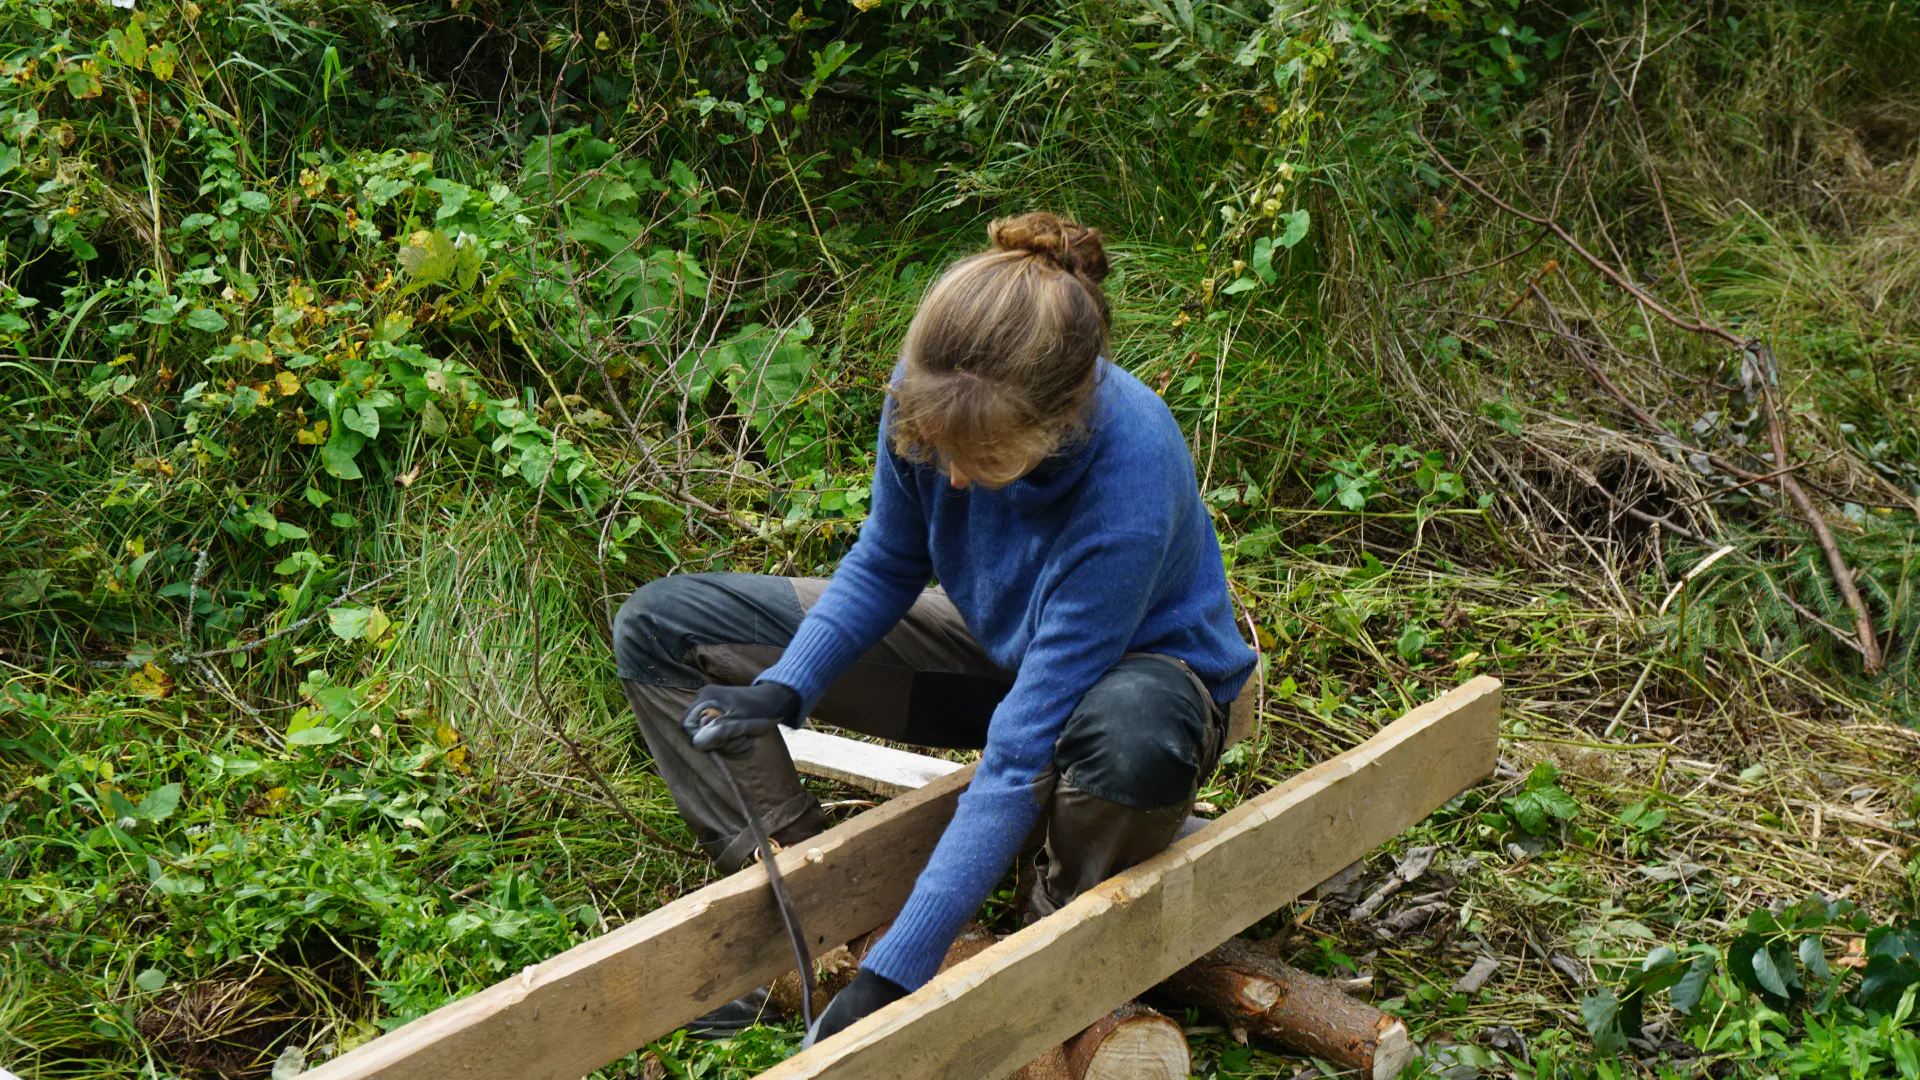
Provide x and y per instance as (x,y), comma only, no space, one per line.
(997,1011)
(595,1002)
(867,766)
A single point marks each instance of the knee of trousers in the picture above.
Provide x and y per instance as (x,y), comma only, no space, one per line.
(649,640)
(1137,738)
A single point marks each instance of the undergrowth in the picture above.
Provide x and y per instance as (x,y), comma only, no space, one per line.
(357,359)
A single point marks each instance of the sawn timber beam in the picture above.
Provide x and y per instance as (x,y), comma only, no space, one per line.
(987,1016)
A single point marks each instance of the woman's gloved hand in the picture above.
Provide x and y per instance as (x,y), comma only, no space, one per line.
(866,994)
(729,718)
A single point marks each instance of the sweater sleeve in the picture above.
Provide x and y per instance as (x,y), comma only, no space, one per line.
(874,585)
(1085,624)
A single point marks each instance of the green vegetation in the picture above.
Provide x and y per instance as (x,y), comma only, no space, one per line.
(356,358)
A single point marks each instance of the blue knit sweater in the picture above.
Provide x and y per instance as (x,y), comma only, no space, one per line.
(1103,550)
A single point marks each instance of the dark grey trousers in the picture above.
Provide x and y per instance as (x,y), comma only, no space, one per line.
(1126,766)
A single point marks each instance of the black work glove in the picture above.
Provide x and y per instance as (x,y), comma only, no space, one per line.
(729,718)
(866,994)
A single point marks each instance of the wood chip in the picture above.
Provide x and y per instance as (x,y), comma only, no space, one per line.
(1477,975)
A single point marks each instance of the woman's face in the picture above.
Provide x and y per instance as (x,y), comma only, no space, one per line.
(992,475)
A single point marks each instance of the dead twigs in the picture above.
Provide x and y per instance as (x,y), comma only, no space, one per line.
(1757,370)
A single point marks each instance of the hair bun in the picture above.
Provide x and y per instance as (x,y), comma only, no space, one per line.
(1069,245)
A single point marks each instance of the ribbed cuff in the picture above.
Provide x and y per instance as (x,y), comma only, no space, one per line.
(817,656)
(912,949)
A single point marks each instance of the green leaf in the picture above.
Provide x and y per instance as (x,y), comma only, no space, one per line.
(1239,286)
(1814,958)
(349,622)
(1630,1015)
(338,453)
(150,980)
(362,418)
(1527,812)
(1263,260)
(1768,973)
(1558,803)
(1601,1011)
(1886,978)
(1413,639)
(206,319)
(319,735)
(256,201)
(1662,957)
(1296,228)
(1693,985)
(159,803)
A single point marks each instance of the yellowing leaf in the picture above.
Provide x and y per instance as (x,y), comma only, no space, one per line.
(428,256)
(445,734)
(162,60)
(288,383)
(151,682)
(267,803)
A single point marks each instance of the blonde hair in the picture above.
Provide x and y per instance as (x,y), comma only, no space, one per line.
(1000,360)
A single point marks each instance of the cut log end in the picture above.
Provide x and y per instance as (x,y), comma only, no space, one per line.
(1133,1043)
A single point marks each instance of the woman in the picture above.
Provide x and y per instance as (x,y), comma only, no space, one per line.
(1084,639)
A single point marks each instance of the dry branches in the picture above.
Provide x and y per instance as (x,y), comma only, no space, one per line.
(1757,369)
